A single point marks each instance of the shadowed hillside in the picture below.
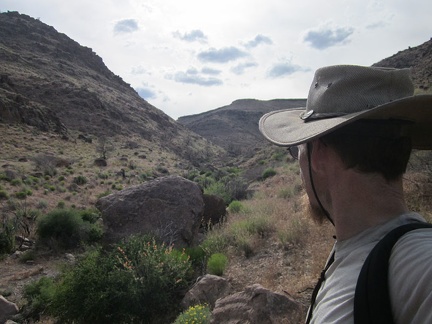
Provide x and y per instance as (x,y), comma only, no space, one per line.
(53,83)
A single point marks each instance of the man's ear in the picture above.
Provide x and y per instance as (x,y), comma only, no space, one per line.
(319,156)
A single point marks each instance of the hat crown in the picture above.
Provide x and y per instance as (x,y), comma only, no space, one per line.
(344,89)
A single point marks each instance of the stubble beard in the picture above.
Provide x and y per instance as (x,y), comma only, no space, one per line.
(313,211)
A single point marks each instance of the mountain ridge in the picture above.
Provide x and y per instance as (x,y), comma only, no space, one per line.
(224,126)
(53,83)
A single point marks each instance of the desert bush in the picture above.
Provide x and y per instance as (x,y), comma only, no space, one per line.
(235,206)
(46,164)
(138,282)
(218,189)
(3,194)
(65,229)
(269,172)
(61,204)
(7,237)
(198,314)
(16,182)
(23,194)
(39,296)
(80,180)
(216,264)
(217,240)
(42,204)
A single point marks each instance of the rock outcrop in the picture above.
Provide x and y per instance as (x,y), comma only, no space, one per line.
(169,207)
(257,305)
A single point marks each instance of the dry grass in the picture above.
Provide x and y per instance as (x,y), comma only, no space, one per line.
(290,256)
(26,152)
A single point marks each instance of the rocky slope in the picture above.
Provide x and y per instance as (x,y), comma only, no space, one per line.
(235,126)
(50,81)
(419,59)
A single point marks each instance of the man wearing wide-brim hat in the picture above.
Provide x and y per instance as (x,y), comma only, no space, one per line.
(353,141)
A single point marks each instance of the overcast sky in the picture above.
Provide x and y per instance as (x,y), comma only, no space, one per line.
(190,56)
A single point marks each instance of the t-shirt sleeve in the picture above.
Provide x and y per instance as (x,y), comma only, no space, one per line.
(410,278)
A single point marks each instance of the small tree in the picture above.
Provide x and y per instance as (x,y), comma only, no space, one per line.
(104,147)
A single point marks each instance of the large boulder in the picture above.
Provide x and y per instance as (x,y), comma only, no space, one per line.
(207,290)
(7,309)
(257,305)
(169,207)
(214,210)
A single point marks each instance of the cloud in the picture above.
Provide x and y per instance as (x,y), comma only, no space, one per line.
(240,68)
(258,40)
(137,70)
(325,37)
(146,93)
(283,69)
(222,55)
(210,71)
(193,76)
(195,35)
(379,24)
(126,26)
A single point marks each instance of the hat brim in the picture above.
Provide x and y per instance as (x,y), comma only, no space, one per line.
(286,128)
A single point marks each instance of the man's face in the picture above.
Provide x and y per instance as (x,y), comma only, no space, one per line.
(310,202)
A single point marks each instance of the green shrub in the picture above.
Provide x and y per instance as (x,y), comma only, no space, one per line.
(65,229)
(42,204)
(61,204)
(16,182)
(89,215)
(139,281)
(103,194)
(235,206)
(80,180)
(4,195)
(270,172)
(7,237)
(198,314)
(218,189)
(217,263)
(215,241)
(39,296)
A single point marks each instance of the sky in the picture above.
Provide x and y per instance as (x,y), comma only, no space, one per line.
(191,56)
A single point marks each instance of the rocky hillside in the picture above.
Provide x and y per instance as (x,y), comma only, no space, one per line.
(235,127)
(49,81)
(419,59)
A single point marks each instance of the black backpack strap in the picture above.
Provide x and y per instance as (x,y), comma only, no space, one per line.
(372,297)
(318,286)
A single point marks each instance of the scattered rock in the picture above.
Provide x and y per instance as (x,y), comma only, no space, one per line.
(207,290)
(70,257)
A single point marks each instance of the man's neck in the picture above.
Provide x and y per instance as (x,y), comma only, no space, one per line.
(361,201)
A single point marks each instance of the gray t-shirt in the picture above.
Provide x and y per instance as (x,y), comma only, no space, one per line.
(410,275)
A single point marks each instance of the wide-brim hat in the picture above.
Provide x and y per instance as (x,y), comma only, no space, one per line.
(342,94)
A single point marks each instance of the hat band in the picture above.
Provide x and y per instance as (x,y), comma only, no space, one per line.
(312,115)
